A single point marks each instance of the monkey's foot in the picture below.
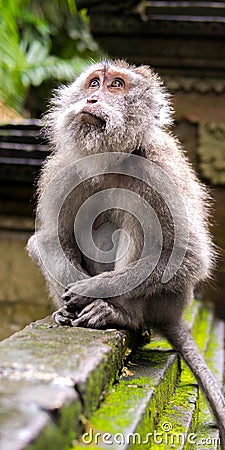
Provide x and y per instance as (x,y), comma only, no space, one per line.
(99,314)
(63,317)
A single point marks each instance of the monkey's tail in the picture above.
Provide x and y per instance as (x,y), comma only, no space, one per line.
(180,337)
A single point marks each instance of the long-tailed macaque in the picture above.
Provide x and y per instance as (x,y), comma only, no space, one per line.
(122,222)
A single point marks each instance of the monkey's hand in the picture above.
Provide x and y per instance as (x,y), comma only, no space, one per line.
(98,314)
(82,310)
(77,298)
(78,295)
(74,303)
(83,292)
(63,317)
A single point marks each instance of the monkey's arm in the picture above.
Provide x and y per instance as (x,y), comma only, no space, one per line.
(56,268)
(120,306)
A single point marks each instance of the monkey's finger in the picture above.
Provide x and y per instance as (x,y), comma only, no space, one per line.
(91,315)
(67,296)
(92,306)
(91,320)
(77,303)
(67,288)
(72,299)
(81,321)
(62,317)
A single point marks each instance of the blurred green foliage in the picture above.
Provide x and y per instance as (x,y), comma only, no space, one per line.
(39,41)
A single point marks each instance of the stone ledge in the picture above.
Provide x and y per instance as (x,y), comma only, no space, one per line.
(51,376)
(156,401)
(58,383)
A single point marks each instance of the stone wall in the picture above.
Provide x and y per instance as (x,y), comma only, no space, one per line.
(23,296)
(200,125)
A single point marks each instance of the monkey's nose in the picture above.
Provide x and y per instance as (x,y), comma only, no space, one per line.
(92,100)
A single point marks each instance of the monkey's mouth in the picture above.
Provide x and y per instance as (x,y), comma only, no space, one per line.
(88,118)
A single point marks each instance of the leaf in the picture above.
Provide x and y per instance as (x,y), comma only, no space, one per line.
(36,54)
(55,68)
(28,32)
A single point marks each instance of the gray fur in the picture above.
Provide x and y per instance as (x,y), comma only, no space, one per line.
(134,121)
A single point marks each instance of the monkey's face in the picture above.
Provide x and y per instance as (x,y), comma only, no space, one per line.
(98,116)
(110,107)
(105,89)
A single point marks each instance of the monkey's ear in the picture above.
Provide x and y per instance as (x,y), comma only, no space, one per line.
(159,97)
(145,71)
(165,114)
(163,102)
(161,107)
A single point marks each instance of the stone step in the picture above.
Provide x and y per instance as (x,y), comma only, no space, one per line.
(22,149)
(60,386)
(180,417)
(144,411)
(130,411)
(208,435)
(51,377)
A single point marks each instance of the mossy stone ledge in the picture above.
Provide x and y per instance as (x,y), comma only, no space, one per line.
(69,388)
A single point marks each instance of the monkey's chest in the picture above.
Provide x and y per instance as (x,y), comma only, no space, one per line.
(108,247)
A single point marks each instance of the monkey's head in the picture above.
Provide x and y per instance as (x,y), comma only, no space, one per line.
(111,106)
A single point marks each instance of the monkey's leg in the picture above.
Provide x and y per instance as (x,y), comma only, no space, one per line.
(180,337)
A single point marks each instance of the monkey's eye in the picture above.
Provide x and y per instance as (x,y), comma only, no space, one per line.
(117,83)
(94,83)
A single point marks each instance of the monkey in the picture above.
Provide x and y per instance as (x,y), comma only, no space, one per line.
(122,223)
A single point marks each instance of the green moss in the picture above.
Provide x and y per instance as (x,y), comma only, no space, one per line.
(162,344)
(138,404)
(100,380)
(191,312)
(150,393)
(214,357)
(202,327)
(134,404)
(179,417)
(151,357)
(60,432)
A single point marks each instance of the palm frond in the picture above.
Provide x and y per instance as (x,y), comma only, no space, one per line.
(26,44)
